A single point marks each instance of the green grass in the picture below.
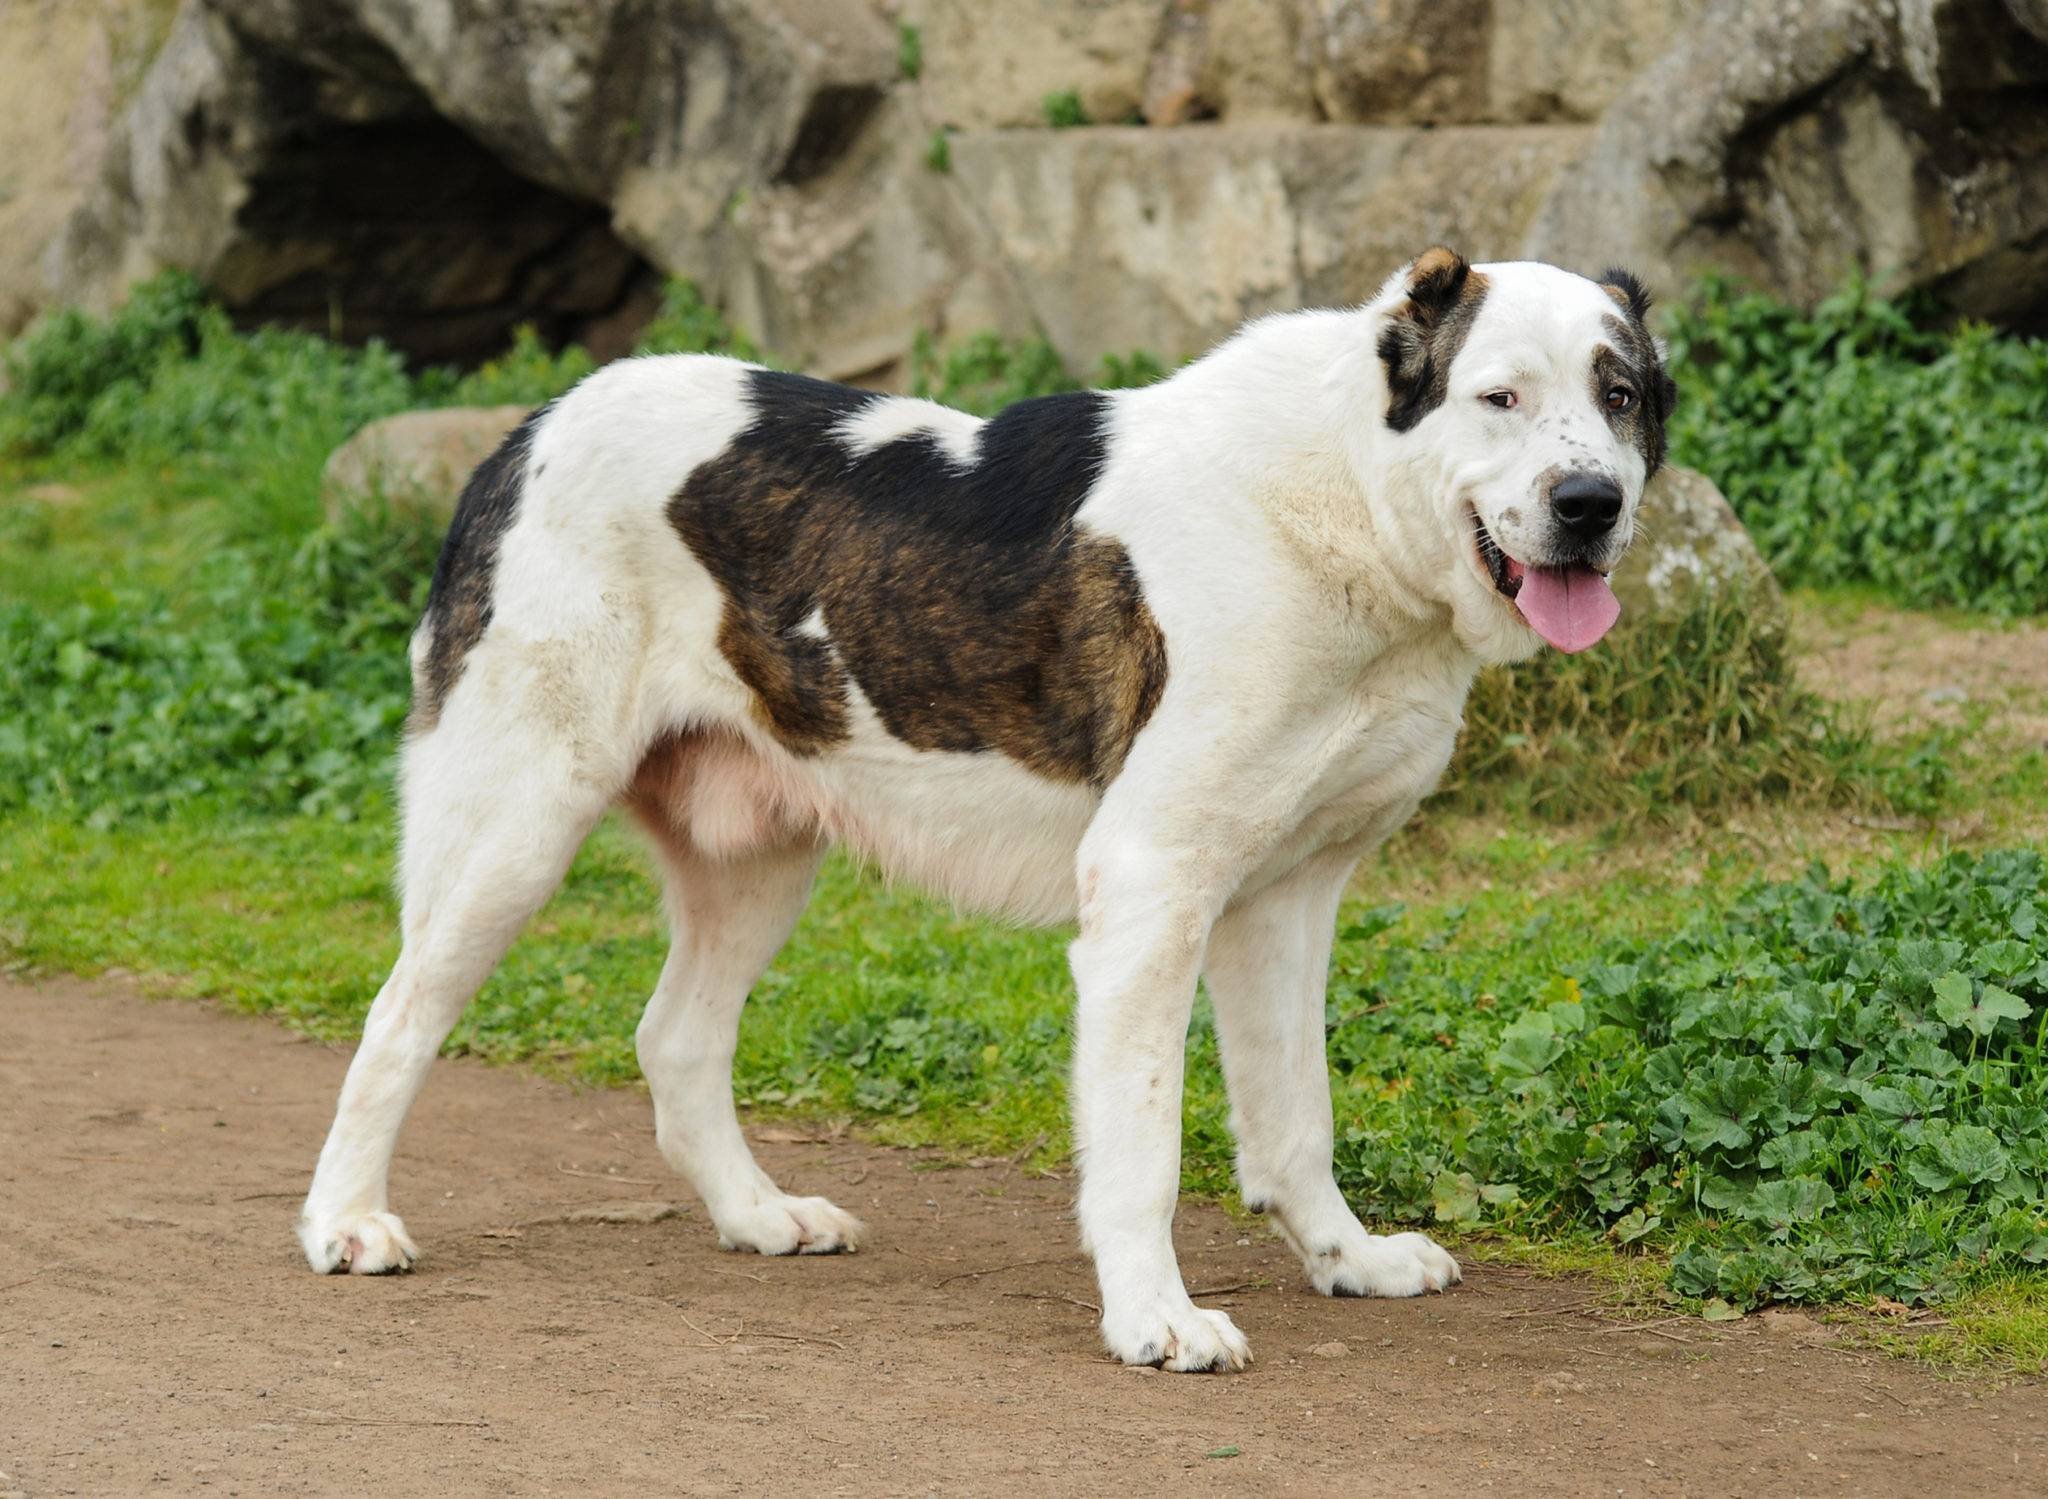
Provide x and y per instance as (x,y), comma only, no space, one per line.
(1602,1043)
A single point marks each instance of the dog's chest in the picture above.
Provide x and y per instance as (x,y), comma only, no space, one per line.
(1383,749)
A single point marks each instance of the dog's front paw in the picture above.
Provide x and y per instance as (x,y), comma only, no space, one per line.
(1186,1338)
(357,1244)
(791,1225)
(1367,1265)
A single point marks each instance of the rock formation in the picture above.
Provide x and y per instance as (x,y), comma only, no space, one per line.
(841,174)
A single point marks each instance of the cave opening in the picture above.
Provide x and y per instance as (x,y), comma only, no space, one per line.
(407,230)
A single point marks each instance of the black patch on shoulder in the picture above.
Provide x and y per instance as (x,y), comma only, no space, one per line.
(1633,361)
(459,602)
(1424,334)
(962,600)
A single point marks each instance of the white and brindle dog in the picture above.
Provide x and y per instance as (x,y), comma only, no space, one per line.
(1167,661)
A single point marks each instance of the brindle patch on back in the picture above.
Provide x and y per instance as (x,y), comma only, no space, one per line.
(1633,361)
(962,600)
(459,600)
(1423,336)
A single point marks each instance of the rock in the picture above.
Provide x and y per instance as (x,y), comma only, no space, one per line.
(1331,1350)
(1238,60)
(1797,1326)
(1690,537)
(66,67)
(1471,61)
(1799,144)
(417,459)
(384,170)
(1168,239)
(990,63)
(436,172)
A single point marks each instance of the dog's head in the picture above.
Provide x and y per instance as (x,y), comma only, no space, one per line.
(1526,407)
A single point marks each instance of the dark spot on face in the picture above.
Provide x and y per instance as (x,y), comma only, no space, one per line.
(1424,334)
(963,601)
(459,601)
(1632,362)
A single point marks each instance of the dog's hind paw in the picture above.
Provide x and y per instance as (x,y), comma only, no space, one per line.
(1368,1265)
(357,1244)
(1187,1339)
(791,1225)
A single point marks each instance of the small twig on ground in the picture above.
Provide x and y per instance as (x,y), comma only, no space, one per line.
(854,1181)
(798,1337)
(997,1270)
(25,1279)
(1552,1311)
(1020,1157)
(715,1342)
(1054,1296)
(606,1176)
(260,1196)
(1246,1285)
(329,1418)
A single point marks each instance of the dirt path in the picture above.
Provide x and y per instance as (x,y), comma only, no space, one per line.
(159,1334)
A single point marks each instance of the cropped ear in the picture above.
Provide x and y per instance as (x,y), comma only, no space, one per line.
(1436,284)
(1423,332)
(1629,294)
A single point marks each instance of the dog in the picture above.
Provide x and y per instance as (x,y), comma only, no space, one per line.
(1165,662)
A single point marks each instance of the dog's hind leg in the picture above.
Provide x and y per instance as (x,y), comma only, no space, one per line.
(496,802)
(729,917)
(1267,967)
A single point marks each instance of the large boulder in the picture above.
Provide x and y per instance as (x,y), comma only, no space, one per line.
(1473,61)
(1796,145)
(66,69)
(1690,538)
(416,460)
(1168,239)
(436,171)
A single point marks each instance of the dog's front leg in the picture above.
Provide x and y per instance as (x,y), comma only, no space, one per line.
(1268,962)
(1145,918)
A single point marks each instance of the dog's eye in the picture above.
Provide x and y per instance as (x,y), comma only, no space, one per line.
(1505,399)
(1620,398)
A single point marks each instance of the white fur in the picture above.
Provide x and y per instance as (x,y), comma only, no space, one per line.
(1314,576)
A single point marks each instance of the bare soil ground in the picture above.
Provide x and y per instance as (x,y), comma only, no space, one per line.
(159,1333)
(1918,669)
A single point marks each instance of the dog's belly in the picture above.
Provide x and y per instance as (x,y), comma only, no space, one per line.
(978,828)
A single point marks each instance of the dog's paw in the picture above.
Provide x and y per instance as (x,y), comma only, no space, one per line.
(357,1244)
(1186,1339)
(791,1225)
(1368,1265)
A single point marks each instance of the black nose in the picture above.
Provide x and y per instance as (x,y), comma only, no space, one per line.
(1586,505)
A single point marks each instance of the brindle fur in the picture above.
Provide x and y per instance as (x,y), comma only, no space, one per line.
(963,601)
(459,600)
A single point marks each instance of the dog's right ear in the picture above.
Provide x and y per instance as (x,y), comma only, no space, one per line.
(1423,333)
(1436,284)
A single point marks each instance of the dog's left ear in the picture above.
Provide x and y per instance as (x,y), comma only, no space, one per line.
(1634,298)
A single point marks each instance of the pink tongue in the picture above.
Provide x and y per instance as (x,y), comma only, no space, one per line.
(1571,607)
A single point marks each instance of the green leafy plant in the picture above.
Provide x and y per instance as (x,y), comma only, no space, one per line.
(1858,447)
(909,50)
(1063,109)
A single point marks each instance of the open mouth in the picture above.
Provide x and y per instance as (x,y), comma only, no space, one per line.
(1571,607)
(1504,570)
